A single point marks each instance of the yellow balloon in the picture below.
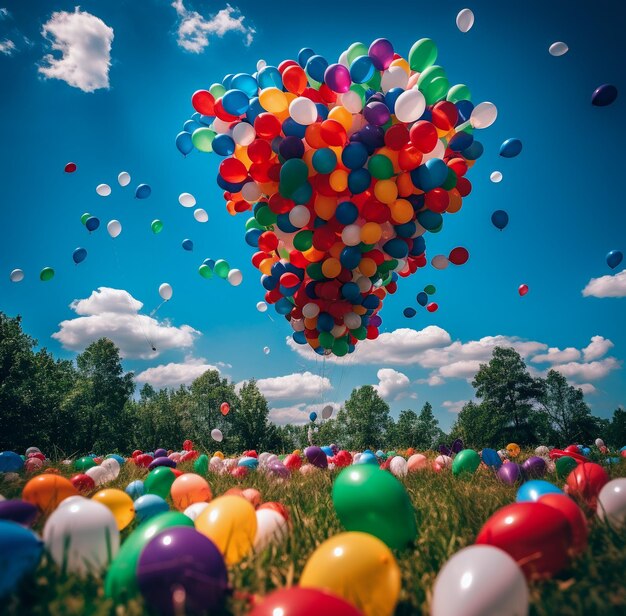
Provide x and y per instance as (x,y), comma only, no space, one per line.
(230,522)
(331,268)
(297,452)
(401,211)
(273,100)
(338,180)
(371,232)
(218,454)
(342,115)
(386,191)
(513,449)
(358,567)
(120,504)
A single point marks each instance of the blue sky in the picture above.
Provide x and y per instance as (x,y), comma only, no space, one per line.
(562,193)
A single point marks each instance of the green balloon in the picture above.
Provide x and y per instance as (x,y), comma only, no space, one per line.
(451,180)
(380,167)
(293,174)
(466,461)
(217,90)
(326,340)
(370,500)
(355,50)
(156,226)
(202,139)
(201,465)
(205,271)
(84,217)
(265,217)
(564,466)
(47,273)
(459,92)
(374,82)
(360,90)
(120,583)
(360,333)
(436,90)
(221,268)
(430,289)
(303,240)
(340,347)
(315,271)
(159,481)
(82,464)
(391,454)
(252,223)
(422,55)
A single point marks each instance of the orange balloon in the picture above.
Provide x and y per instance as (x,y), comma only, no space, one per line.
(386,191)
(405,185)
(325,206)
(401,211)
(338,180)
(331,268)
(371,232)
(47,491)
(368,266)
(313,136)
(189,489)
(342,115)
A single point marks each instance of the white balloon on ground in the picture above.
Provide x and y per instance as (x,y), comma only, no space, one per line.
(104,190)
(217,435)
(193,511)
(599,442)
(271,528)
(114,227)
(483,115)
(465,20)
(166,291)
(398,466)
(496,177)
(235,277)
(327,411)
(440,262)
(261,306)
(200,215)
(186,199)
(82,537)
(123,179)
(480,580)
(17,275)
(558,49)
(99,475)
(216,463)
(612,502)
(444,461)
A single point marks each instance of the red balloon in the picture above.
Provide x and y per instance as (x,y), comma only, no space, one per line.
(224,408)
(259,151)
(267,125)
(343,458)
(396,136)
(268,241)
(333,133)
(83,482)
(458,256)
(437,200)
(292,462)
(298,601)
(70,167)
(239,472)
(294,79)
(187,445)
(445,115)
(572,449)
(424,136)
(575,517)
(203,102)
(136,453)
(289,280)
(251,453)
(536,535)
(278,507)
(143,460)
(285,64)
(432,307)
(586,481)
(233,170)
(523,289)
(189,455)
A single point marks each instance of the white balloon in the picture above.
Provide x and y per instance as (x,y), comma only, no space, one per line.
(599,442)
(98,474)
(244,133)
(394,77)
(193,511)
(465,20)
(364,284)
(352,320)
(542,451)
(343,59)
(299,216)
(217,435)
(165,291)
(351,235)
(82,536)
(327,411)
(235,277)
(352,101)
(444,461)
(410,106)
(440,262)
(261,306)
(496,177)
(186,199)
(438,152)
(261,64)
(104,190)
(221,126)
(17,275)
(266,350)
(251,192)
(123,178)
(200,215)
(216,463)
(310,310)
(612,502)
(398,466)
(338,330)
(483,115)
(114,227)
(303,111)
(558,49)
(271,528)
(480,580)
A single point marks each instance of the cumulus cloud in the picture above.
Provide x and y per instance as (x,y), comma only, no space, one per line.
(7,47)
(296,386)
(114,314)
(454,406)
(194,30)
(591,371)
(393,385)
(298,414)
(612,285)
(84,42)
(587,388)
(557,356)
(597,348)
(175,374)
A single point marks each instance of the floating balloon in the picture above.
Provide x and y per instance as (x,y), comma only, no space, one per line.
(465,20)
(200,215)
(216,435)
(614,258)
(186,199)
(156,226)
(165,291)
(92,223)
(46,274)
(187,245)
(69,168)
(143,191)
(510,148)
(224,408)
(483,115)
(604,95)
(432,307)
(114,228)
(266,350)
(235,277)
(496,177)
(16,275)
(123,179)
(85,217)
(458,256)
(523,289)
(500,219)
(312,416)
(558,49)
(327,411)
(79,255)
(184,143)
(104,190)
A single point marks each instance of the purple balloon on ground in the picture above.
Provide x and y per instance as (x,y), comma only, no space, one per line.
(534,467)
(182,558)
(280,470)
(510,473)
(316,457)
(162,461)
(160,453)
(17,510)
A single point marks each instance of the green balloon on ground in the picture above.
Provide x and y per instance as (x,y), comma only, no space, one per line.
(371,500)
(565,465)
(466,461)
(159,481)
(205,271)
(221,268)
(82,464)
(201,465)
(202,139)
(120,583)
(47,273)
(422,55)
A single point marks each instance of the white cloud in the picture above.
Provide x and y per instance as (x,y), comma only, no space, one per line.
(591,371)
(454,406)
(175,374)
(597,348)
(296,386)
(612,285)
(587,388)
(298,414)
(114,314)
(84,42)
(7,47)
(557,356)
(194,30)
(392,385)
(4,14)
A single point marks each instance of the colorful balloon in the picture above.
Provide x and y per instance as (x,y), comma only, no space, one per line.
(614,258)
(296,601)
(120,505)
(604,95)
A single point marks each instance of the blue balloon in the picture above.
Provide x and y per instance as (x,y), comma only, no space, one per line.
(245,82)
(135,489)
(328,451)
(313,416)
(359,181)
(143,191)
(325,322)
(92,223)
(422,298)
(269,77)
(187,245)
(491,458)
(209,262)
(362,69)
(346,212)
(10,462)
(223,145)
(604,95)
(21,550)
(254,110)
(299,337)
(500,219)
(429,220)
(432,174)
(391,97)
(227,80)
(252,237)
(532,490)
(117,458)
(409,313)
(184,143)
(316,67)
(367,457)
(614,258)
(190,125)
(325,161)
(510,148)
(475,151)
(304,55)
(396,248)
(461,141)
(354,155)
(283,306)
(80,254)
(292,129)
(351,291)
(235,102)
(350,257)
(248,462)
(149,505)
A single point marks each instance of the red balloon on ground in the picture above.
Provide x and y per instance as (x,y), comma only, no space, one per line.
(83,482)
(586,481)
(574,515)
(70,167)
(297,601)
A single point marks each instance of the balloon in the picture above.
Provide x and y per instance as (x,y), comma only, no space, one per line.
(187,245)
(143,191)
(523,289)
(92,223)
(565,465)
(156,226)
(586,481)
(466,461)
(614,258)
(21,550)
(465,20)
(358,568)
(483,115)
(134,489)
(216,435)
(510,148)
(510,473)
(611,505)
(148,506)
(271,529)
(69,168)
(186,199)
(315,455)
(104,190)
(114,227)
(266,350)
(496,177)
(230,522)
(604,95)
(558,49)
(458,256)
(368,499)
(224,408)
(82,537)
(327,411)
(200,215)
(261,306)
(79,255)
(532,491)
(440,262)
(534,467)
(48,491)
(19,511)
(165,291)
(480,580)
(17,275)
(10,462)
(85,217)
(120,504)
(575,517)
(159,481)
(296,601)
(123,178)
(184,143)
(235,277)
(500,219)
(188,489)
(312,416)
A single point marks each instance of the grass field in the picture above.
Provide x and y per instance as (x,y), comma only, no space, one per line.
(450,511)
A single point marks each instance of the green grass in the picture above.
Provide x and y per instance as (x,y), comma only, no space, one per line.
(450,511)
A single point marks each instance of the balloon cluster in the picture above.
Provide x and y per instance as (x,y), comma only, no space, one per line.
(346,166)
(422,299)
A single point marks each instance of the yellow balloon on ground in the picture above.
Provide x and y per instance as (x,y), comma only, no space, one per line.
(120,504)
(513,449)
(358,567)
(230,522)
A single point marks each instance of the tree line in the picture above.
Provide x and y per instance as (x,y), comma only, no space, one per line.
(74,407)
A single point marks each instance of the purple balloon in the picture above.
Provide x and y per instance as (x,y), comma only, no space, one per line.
(316,457)
(334,447)
(337,78)
(160,453)
(376,113)
(17,510)
(162,461)
(375,321)
(181,558)
(381,53)
(291,147)
(280,470)
(510,473)
(534,467)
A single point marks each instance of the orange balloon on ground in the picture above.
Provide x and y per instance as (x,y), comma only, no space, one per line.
(47,491)
(120,504)
(188,489)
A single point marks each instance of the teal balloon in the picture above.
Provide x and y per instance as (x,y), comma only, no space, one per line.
(10,462)
(20,551)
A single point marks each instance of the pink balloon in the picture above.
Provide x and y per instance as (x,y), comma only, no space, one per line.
(337,78)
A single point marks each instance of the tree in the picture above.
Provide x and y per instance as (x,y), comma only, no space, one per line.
(617,431)
(429,433)
(478,426)
(252,428)
(367,418)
